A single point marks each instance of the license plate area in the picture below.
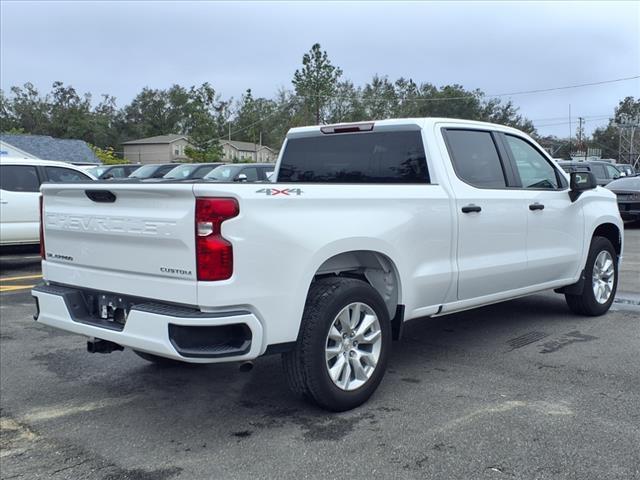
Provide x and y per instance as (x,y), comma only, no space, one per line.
(111,307)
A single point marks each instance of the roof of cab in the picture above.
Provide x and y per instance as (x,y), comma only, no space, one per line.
(424,122)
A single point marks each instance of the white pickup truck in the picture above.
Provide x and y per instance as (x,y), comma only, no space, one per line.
(367,226)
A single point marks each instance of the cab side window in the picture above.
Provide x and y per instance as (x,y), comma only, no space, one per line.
(612,172)
(65,175)
(534,169)
(19,178)
(251,173)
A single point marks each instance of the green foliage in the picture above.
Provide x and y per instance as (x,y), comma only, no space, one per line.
(208,154)
(107,156)
(13,131)
(315,84)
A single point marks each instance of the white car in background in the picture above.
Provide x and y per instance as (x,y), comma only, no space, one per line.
(20,181)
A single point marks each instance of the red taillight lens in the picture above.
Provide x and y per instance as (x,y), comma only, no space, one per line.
(42,254)
(214,254)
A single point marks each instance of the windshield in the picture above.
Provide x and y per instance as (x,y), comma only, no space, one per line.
(97,171)
(181,171)
(144,172)
(223,172)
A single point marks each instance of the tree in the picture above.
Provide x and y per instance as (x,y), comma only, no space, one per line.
(27,110)
(379,99)
(315,83)
(202,123)
(608,138)
(69,114)
(345,105)
(253,118)
(107,156)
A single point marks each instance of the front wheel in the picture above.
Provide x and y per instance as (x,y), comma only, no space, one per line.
(601,280)
(344,342)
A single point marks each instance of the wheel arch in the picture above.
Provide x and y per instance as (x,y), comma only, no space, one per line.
(612,233)
(375,268)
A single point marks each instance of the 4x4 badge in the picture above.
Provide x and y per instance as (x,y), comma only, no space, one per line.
(276,191)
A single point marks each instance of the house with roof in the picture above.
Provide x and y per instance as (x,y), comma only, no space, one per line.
(247,151)
(171,148)
(44,147)
(158,149)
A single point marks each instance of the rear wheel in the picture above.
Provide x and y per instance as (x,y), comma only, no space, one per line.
(601,280)
(343,346)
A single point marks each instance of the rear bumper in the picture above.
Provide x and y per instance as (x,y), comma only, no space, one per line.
(173,332)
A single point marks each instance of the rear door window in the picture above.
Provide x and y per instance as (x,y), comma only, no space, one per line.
(64,175)
(475,158)
(598,170)
(372,157)
(19,178)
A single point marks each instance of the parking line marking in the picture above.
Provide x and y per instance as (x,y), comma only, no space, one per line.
(12,288)
(23,277)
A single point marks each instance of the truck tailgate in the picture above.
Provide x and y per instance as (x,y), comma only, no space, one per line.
(135,238)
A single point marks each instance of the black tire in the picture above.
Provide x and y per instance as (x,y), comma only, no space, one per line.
(586,303)
(305,365)
(158,360)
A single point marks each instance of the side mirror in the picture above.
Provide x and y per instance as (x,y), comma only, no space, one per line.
(241,178)
(580,182)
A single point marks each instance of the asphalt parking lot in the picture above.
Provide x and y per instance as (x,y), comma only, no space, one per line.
(523,389)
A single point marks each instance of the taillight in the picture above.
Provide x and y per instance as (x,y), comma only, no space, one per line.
(42,254)
(214,254)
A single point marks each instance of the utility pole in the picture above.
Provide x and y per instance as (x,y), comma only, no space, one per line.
(629,142)
(570,132)
(581,140)
(229,124)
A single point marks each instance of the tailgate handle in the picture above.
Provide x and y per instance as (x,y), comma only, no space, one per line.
(101,196)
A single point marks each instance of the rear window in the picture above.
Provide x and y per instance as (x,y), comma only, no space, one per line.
(376,157)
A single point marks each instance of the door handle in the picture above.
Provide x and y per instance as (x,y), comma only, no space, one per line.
(471,208)
(536,206)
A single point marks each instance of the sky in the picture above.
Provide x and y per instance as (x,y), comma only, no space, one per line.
(119,47)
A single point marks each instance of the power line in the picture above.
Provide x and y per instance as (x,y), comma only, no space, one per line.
(585,119)
(579,85)
(362,94)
